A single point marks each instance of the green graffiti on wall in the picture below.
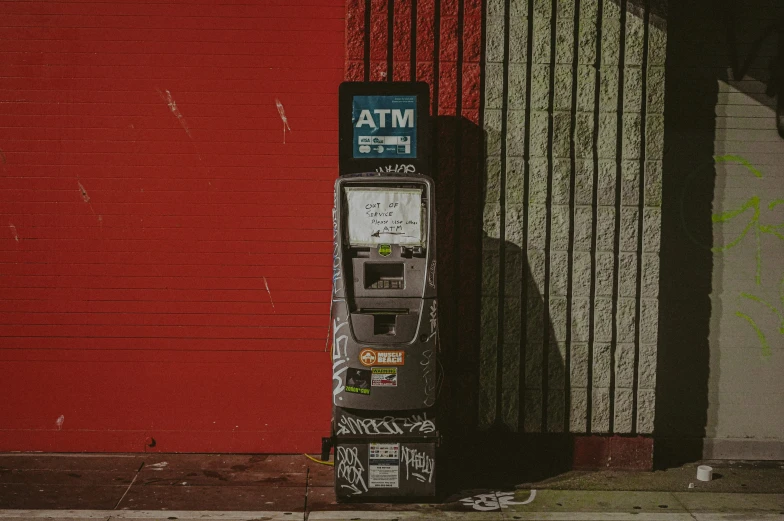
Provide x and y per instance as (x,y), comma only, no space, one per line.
(751,209)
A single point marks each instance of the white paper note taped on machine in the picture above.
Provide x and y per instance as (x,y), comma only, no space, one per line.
(384,216)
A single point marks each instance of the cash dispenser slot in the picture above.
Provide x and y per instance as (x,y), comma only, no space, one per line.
(384,325)
(384,320)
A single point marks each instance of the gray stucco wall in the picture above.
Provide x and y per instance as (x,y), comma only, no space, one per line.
(572,214)
(745,388)
(723,240)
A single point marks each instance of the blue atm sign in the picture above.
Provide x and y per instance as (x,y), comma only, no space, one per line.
(384,127)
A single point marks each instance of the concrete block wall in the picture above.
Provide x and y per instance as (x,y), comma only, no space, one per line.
(573,116)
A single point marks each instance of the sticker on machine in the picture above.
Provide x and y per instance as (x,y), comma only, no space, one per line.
(370,357)
(384,465)
(358,381)
(384,377)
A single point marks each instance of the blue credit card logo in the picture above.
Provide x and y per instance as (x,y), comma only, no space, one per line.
(384,127)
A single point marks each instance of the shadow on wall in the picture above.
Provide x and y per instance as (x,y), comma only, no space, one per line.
(744,42)
(708,42)
(474,456)
(736,30)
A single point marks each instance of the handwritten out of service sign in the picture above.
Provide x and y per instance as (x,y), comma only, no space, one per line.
(384,216)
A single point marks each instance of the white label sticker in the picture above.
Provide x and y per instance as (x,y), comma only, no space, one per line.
(384,216)
(384,465)
(384,377)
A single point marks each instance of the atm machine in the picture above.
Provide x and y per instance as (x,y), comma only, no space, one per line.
(384,314)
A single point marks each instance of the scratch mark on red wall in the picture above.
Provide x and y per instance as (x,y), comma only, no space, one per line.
(269,294)
(83,192)
(86,199)
(13,231)
(283,117)
(176,111)
(59,422)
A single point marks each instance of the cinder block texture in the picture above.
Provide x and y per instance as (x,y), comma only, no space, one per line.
(533,410)
(579,409)
(579,214)
(646,410)
(510,394)
(600,419)
(556,409)
(624,410)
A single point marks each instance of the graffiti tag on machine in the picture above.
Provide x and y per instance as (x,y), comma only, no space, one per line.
(339,356)
(389,425)
(418,464)
(428,362)
(370,357)
(495,501)
(350,470)
(397,169)
(429,377)
(433,319)
(337,282)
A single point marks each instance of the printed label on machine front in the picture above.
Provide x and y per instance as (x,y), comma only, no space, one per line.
(384,377)
(370,357)
(384,465)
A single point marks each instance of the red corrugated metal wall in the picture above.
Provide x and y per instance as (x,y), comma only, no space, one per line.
(165,265)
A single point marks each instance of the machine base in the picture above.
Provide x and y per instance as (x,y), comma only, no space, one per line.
(386,468)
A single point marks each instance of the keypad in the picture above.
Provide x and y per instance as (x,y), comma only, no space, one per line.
(387,284)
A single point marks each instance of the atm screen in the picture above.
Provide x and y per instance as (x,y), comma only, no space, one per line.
(385,216)
(384,127)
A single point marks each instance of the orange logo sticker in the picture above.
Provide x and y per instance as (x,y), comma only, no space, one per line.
(370,357)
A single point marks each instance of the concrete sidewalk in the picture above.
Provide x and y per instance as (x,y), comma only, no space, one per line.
(229,487)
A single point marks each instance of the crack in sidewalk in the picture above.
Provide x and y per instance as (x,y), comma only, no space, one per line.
(129,486)
(307,491)
(683,505)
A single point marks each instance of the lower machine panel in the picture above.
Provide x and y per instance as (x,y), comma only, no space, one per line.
(388,469)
